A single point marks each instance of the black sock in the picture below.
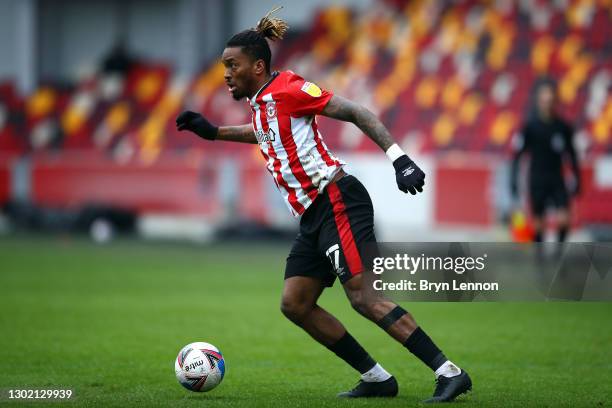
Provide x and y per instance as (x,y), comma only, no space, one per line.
(424,348)
(562,234)
(350,351)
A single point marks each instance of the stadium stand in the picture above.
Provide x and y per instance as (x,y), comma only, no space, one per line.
(461,82)
(457,81)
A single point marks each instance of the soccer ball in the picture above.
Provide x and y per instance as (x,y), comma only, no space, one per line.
(199,367)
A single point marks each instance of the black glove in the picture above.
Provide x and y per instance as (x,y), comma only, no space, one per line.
(409,177)
(196,123)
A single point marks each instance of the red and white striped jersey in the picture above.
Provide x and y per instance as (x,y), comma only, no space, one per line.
(286,129)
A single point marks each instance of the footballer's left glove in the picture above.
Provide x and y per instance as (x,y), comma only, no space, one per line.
(410,178)
(196,123)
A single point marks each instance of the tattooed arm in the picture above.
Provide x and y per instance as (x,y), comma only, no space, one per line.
(348,111)
(409,177)
(242,133)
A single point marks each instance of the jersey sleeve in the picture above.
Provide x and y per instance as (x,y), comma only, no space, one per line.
(568,133)
(303,98)
(521,140)
(570,149)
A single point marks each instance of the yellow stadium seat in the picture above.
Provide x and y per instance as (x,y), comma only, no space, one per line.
(427,91)
(452,93)
(72,120)
(443,129)
(41,102)
(569,49)
(608,110)
(501,45)
(502,126)
(574,78)
(469,109)
(117,117)
(148,86)
(541,53)
(601,130)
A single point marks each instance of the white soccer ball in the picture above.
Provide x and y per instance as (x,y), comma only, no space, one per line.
(199,367)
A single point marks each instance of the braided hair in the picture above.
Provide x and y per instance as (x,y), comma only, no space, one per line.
(253,41)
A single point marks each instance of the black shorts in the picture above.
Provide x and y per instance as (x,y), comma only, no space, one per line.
(333,233)
(548,195)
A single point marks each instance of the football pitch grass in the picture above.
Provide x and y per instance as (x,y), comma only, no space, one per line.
(108,321)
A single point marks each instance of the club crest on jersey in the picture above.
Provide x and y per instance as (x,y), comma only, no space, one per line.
(264,137)
(311,89)
(271,110)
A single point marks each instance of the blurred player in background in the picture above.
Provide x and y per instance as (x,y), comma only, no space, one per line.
(549,140)
(336,212)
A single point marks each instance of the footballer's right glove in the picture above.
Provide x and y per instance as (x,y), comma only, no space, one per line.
(410,178)
(196,123)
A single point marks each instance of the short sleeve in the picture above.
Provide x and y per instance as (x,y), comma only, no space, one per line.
(568,131)
(303,98)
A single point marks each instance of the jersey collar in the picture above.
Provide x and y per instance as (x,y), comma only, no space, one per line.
(254,98)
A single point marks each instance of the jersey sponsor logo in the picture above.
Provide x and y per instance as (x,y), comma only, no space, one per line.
(311,89)
(271,110)
(264,137)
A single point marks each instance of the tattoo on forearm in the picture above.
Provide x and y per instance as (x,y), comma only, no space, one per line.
(343,109)
(243,133)
(374,128)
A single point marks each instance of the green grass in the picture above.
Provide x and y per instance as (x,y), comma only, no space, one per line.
(107,321)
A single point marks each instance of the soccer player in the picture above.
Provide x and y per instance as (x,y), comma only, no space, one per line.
(335,208)
(549,140)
